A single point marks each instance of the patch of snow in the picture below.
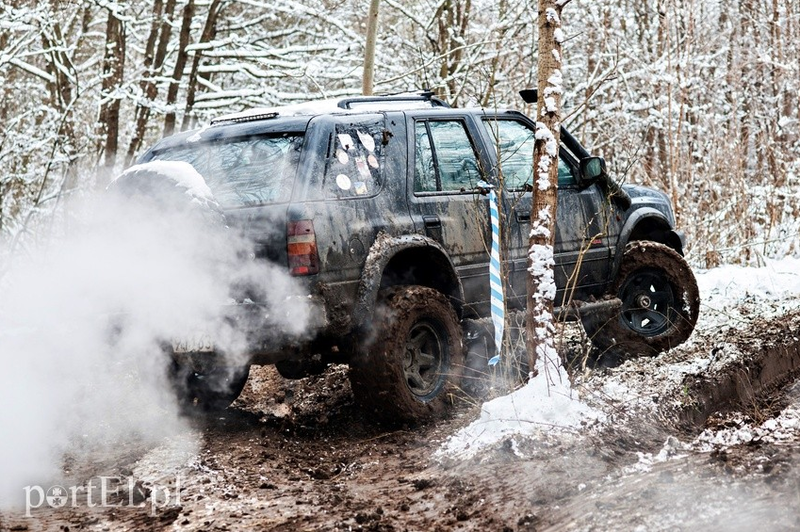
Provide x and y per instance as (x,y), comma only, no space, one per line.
(555,87)
(545,405)
(542,263)
(311,108)
(197,136)
(673,449)
(786,121)
(731,284)
(543,133)
(784,428)
(770,290)
(548,406)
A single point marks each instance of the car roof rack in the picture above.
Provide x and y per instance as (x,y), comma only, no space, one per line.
(424,96)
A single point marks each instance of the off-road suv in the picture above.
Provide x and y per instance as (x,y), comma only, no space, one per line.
(378,206)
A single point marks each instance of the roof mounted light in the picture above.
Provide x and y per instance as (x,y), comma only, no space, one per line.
(237,119)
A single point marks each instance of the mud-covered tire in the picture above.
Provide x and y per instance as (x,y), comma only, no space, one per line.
(660,304)
(212,390)
(409,365)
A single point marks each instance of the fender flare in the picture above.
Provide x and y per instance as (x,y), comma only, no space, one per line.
(381,253)
(674,239)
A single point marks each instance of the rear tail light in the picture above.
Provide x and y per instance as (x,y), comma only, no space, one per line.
(302,248)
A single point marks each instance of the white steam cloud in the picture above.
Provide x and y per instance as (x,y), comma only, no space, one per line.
(82,324)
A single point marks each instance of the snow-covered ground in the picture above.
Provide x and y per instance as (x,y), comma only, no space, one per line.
(729,292)
(548,407)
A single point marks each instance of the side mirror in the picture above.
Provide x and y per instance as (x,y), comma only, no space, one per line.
(591,170)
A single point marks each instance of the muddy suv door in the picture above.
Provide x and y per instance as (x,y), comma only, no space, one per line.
(580,243)
(445,202)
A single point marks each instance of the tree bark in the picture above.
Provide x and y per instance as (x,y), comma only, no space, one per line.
(368,79)
(209,32)
(452,19)
(541,287)
(180,64)
(113,68)
(160,30)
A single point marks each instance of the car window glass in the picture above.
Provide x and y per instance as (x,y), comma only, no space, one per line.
(245,171)
(424,170)
(355,161)
(445,158)
(515,141)
(566,173)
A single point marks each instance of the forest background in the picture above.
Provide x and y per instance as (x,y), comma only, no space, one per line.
(698,98)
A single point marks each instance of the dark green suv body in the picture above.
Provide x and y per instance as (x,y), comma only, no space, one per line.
(376,207)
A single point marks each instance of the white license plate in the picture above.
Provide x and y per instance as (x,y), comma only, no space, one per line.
(193,343)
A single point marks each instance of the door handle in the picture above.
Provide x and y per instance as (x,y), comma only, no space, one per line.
(432,221)
(523,217)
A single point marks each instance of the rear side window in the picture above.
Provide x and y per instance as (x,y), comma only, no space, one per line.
(445,159)
(244,172)
(355,160)
(515,141)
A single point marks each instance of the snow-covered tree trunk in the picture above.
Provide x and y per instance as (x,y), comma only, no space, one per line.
(113,72)
(368,79)
(541,282)
(180,63)
(160,31)
(208,35)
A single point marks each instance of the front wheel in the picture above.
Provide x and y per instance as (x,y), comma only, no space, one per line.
(660,303)
(410,362)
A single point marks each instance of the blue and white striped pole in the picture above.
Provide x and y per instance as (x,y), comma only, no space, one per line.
(495,281)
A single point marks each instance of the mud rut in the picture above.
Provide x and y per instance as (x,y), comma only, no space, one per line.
(298,455)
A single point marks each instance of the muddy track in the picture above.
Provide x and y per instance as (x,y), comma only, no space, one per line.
(299,455)
(771,361)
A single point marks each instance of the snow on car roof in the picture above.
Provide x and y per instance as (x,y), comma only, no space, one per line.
(333,106)
(311,108)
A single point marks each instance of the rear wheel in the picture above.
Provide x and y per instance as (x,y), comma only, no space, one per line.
(660,303)
(299,369)
(209,390)
(409,366)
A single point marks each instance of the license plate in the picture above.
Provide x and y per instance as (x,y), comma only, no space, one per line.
(193,343)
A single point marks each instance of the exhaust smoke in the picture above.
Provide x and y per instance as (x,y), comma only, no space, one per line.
(84,318)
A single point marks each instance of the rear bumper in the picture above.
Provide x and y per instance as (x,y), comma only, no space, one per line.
(257,331)
(287,327)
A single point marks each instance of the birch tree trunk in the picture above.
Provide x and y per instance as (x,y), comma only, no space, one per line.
(540,328)
(368,80)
